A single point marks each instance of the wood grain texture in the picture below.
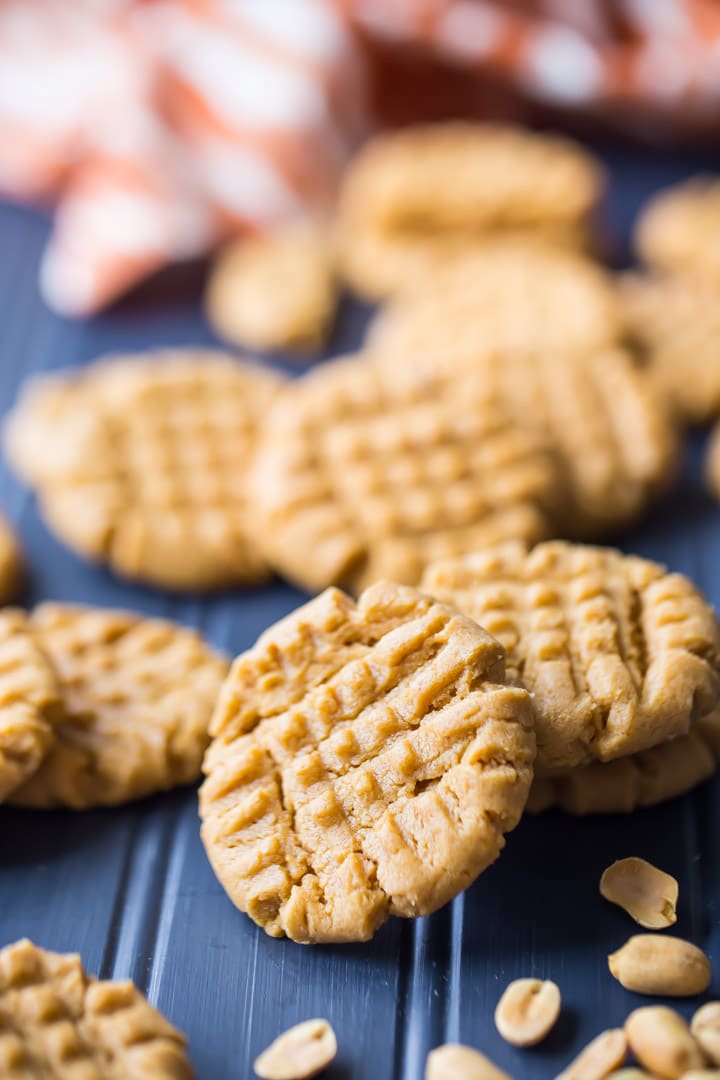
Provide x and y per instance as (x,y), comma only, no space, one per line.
(131,889)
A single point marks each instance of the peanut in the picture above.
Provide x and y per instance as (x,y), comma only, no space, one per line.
(650,964)
(456,1062)
(300,1052)
(647,894)
(527,1011)
(661,1041)
(705,1026)
(599,1058)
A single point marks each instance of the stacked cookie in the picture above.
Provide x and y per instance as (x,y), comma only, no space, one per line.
(367,758)
(622,660)
(410,203)
(419,198)
(100,707)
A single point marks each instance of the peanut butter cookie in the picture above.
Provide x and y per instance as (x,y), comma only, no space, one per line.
(679,229)
(144,464)
(363,470)
(471,177)
(653,776)
(503,295)
(400,218)
(619,654)
(137,696)
(58,1023)
(604,419)
(275,291)
(366,761)
(675,322)
(29,701)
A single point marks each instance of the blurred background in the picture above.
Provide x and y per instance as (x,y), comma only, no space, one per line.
(157,128)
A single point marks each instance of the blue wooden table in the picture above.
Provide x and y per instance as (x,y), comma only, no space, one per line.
(131,889)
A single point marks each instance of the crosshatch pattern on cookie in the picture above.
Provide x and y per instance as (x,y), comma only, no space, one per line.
(507,294)
(644,779)
(619,654)
(153,470)
(356,455)
(603,417)
(29,701)
(56,1023)
(137,696)
(366,761)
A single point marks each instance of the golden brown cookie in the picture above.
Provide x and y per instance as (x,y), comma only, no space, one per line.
(11,564)
(675,322)
(629,783)
(604,419)
(679,229)
(619,654)
(137,696)
(357,460)
(471,177)
(274,291)
(58,1023)
(379,263)
(366,761)
(504,295)
(144,463)
(29,701)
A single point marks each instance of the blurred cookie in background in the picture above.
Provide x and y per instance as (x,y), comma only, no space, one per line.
(674,322)
(275,292)
(145,463)
(439,188)
(506,294)
(679,229)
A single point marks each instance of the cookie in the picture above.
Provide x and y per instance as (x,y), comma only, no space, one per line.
(11,566)
(275,291)
(357,459)
(629,783)
(144,465)
(619,654)
(605,420)
(29,701)
(503,295)
(377,263)
(471,177)
(366,761)
(674,320)
(679,229)
(137,696)
(58,1022)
